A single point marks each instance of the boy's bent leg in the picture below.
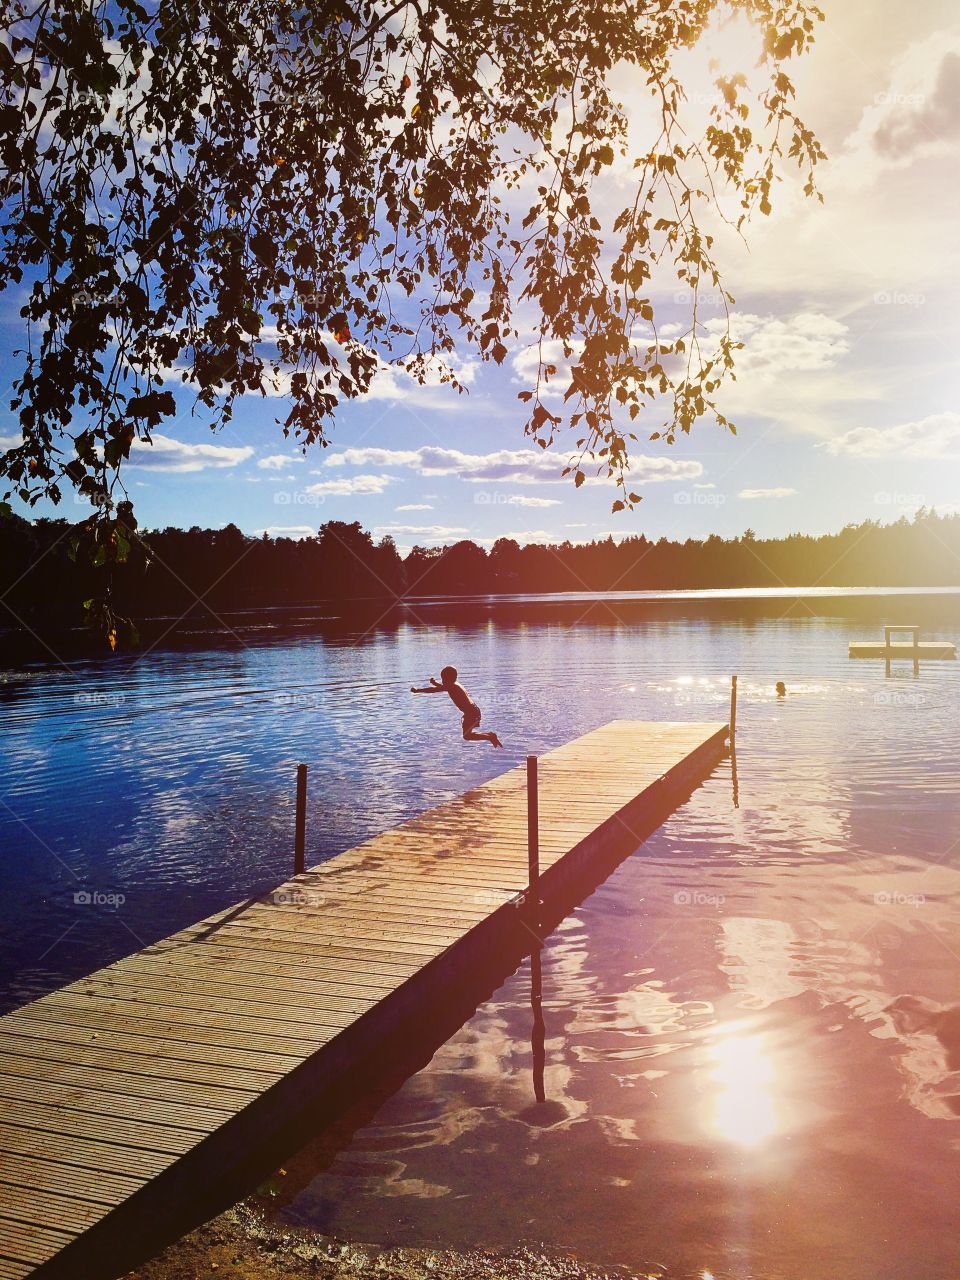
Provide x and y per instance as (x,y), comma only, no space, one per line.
(471,735)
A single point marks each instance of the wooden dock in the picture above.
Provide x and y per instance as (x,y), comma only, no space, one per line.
(128,1093)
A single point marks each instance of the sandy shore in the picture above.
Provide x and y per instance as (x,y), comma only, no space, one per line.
(241,1245)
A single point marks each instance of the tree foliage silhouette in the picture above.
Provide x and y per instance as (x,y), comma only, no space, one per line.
(273,198)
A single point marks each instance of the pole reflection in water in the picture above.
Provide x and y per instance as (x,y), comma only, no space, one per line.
(538,1032)
(733,775)
(541,1112)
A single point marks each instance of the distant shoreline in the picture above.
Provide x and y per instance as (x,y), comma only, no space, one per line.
(203,627)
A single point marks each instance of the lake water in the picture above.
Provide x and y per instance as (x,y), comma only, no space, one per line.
(751,1069)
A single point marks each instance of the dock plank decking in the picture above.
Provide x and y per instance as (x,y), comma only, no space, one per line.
(126,1091)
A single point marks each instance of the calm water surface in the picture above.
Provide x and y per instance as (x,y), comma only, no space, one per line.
(752,1067)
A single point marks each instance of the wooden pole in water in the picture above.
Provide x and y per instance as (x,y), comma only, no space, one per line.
(533,836)
(733,711)
(301,826)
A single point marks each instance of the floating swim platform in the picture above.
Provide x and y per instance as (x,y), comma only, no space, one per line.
(927,650)
(911,650)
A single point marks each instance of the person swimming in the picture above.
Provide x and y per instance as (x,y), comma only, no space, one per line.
(449,684)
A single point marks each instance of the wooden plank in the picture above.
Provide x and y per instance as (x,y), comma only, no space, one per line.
(247,1082)
(61,1212)
(131,1134)
(11,1270)
(81,1152)
(119,1077)
(235,997)
(45,1175)
(98,1101)
(177,1002)
(28,1242)
(218,1034)
(269,1063)
(177,1093)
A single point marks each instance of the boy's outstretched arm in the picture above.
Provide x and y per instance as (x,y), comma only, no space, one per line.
(433,687)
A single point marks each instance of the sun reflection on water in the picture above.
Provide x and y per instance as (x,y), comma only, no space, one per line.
(744,1108)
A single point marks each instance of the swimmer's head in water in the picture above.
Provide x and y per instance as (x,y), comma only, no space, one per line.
(448,675)
(781,688)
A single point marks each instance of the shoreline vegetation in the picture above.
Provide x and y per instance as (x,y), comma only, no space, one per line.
(195,572)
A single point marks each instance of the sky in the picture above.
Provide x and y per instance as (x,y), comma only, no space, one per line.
(846,397)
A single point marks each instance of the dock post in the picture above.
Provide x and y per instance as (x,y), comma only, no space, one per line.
(533,838)
(301,826)
(733,711)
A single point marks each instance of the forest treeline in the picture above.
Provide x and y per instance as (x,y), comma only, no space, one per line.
(171,571)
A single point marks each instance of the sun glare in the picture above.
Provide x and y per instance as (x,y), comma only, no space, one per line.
(724,49)
(743,1109)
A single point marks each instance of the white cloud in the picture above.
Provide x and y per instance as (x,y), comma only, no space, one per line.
(917,113)
(427,532)
(167,454)
(415,506)
(276,462)
(350,485)
(526,366)
(645,469)
(393,383)
(532,535)
(936,436)
(805,341)
(11,442)
(507,466)
(371,457)
(295,531)
(766,493)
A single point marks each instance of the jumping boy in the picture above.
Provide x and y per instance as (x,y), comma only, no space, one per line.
(463,702)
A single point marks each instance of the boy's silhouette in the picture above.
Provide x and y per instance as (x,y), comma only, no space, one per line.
(463,702)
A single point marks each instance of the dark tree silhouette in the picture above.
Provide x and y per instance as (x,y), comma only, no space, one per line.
(177,573)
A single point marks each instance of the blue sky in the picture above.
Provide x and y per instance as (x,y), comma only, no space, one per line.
(846,397)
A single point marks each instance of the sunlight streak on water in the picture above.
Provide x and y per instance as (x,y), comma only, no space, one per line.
(743,1109)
